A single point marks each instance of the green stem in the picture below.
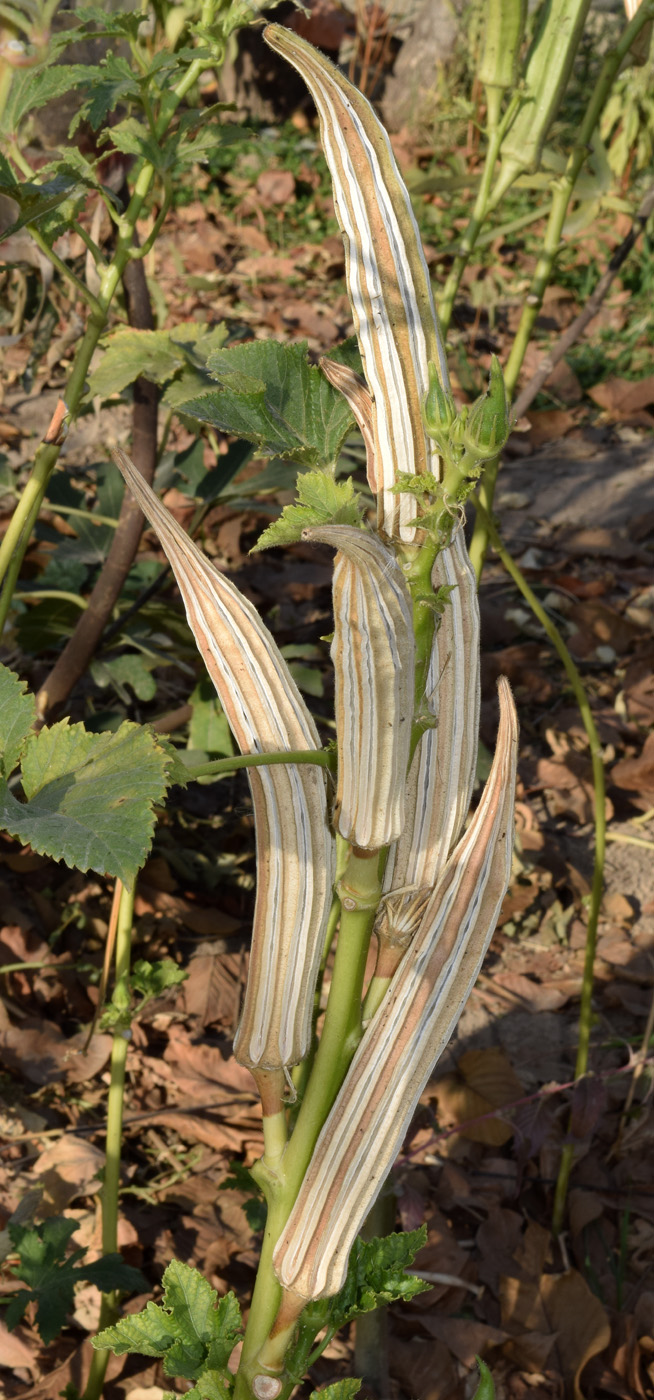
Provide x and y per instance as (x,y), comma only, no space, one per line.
(581,696)
(110,1190)
(20,527)
(323,757)
(563,192)
(482,206)
(64,270)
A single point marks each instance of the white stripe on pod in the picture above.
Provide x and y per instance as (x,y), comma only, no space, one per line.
(388,279)
(443,770)
(374,663)
(295,849)
(364,1131)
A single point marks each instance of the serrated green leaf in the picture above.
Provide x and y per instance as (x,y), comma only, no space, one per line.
(148,1333)
(192,1301)
(134,138)
(211,1385)
(17,713)
(35,202)
(129,669)
(123,23)
(271,395)
(377,1276)
(340,1390)
(321,500)
(33,87)
(156,355)
(109,83)
(111,1272)
(226,1325)
(51,1274)
(153,979)
(90,797)
(209,730)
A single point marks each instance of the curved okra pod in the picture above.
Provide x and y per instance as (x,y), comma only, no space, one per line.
(295,849)
(443,770)
(364,1131)
(374,660)
(387,276)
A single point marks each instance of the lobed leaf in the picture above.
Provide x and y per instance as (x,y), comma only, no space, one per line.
(33,87)
(321,500)
(271,395)
(90,797)
(17,715)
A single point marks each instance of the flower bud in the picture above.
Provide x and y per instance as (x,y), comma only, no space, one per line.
(489,420)
(439,410)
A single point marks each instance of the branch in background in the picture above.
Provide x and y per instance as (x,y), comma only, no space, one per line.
(77,653)
(577,327)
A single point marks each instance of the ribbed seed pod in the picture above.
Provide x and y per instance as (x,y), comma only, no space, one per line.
(364,1131)
(503,31)
(355,390)
(295,850)
(443,770)
(387,277)
(374,663)
(548,68)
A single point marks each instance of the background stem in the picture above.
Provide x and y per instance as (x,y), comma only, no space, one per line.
(581,696)
(113,1141)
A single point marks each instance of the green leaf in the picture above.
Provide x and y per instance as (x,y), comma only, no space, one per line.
(153,979)
(35,202)
(129,669)
(341,1390)
(377,1276)
(17,714)
(271,395)
(193,1337)
(321,500)
(33,87)
(51,1275)
(90,797)
(108,84)
(486,1388)
(156,355)
(208,729)
(134,138)
(123,23)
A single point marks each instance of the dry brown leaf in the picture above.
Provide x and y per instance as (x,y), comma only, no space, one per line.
(484,1081)
(636,774)
(560,1307)
(538,996)
(66,1170)
(465,1337)
(425,1369)
(14,1352)
(275,187)
(40,1052)
(212,990)
(622,397)
(639,686)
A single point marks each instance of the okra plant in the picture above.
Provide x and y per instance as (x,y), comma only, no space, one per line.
(369,839)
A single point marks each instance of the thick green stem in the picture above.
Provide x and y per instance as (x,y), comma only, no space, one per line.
(20,527)
(114,1135)
(581,696)
(563,192)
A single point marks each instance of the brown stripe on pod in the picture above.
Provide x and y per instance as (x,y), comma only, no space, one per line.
(387,277)
(364,1131)
(294,846)
(443,770)
(374,663)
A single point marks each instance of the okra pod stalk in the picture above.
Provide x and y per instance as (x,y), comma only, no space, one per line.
(387,276)
(549,65)
(295,849)
(373,654)
(362,1135)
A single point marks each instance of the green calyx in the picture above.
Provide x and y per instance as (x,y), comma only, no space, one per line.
(489,419)
(475,434)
